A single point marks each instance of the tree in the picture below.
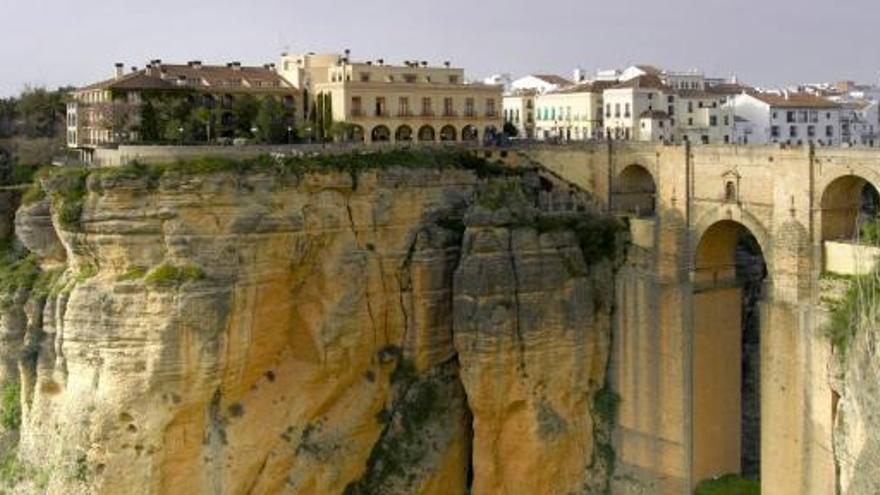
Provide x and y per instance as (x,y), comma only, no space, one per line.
(510,130)
(270,121)
(327,117)
(342,131)
(41,113)
(245,108)
(149,127)
(204,119)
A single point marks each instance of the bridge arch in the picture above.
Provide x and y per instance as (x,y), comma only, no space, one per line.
(729,273)
(636,191)
(847,202)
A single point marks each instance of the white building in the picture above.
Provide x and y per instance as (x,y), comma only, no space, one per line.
(859,123)
(503,80)
(519,111)
(791,118)
(542,83)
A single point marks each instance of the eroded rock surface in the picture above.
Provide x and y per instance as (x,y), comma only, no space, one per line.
(254,333)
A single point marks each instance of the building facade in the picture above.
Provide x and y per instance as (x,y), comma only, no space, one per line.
(412,102)
(112,112)
(789,118)
(573,113)
(519,111)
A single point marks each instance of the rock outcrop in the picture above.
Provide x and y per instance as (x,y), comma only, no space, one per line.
(327,332)
(857,390)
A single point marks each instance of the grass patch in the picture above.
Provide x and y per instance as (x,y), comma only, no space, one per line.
(133,273)
(10,406)
(19,269)
(730,484)
(847,314)
(171,275)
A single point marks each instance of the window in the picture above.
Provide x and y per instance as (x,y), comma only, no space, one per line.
(409,78)
(469,107)
(516,118)
(490,107)
(670,99)
(789,117)
(650,96)
(727,120)
(811,131)
(381,109)
(690,107)
(792,131)
(713,120)
(365,77)
(729,191)
(403,106)
(453,79)
(774,131)
(626,111)
(671,110)
(608,110)
(617,110)
(829,131)
(356,109)
(774,115)
(427,111)
(447,107)
(690,121)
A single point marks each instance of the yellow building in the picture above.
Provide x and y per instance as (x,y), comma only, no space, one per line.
(519,111)
(398,103)
(571,114)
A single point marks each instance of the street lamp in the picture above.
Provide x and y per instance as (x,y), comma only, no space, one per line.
(180,134)
(254,130)
(289,135)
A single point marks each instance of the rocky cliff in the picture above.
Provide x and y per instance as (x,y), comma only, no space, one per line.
(855,373)
(273,327)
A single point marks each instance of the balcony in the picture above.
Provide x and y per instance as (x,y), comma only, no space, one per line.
(404,114)
(450,113)
(357,112)
(427,113)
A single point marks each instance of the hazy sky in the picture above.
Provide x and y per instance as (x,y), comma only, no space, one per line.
(57,42)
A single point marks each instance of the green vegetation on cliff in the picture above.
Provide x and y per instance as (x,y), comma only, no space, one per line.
(857,304)
(730,484)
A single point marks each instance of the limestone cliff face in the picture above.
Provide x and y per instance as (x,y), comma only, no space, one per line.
(855,381)
(327,333)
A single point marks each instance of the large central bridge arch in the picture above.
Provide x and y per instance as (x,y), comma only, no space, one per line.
(728,278)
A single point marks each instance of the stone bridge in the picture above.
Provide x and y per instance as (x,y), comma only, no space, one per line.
(702,396)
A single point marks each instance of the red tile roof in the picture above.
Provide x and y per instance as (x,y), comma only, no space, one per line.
(199,77)
(794,100)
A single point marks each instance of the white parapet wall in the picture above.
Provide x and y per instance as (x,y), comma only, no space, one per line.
(847,258)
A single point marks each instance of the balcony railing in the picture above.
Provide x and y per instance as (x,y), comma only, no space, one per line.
(427,113)
(450,113)
(404,113)
(357,112)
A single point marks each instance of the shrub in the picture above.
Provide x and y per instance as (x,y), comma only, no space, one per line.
(730,484)
(10,406)
(18,269)
(167,274)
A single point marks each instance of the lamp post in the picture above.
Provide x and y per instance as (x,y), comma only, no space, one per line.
(254,131)
(180,134)
(289,135)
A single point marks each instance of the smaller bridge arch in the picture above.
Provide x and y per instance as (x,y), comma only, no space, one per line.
(635,191)
(847,203)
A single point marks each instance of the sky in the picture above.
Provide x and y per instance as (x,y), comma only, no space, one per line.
(763,42)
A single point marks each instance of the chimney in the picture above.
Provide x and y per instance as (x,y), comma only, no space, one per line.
(181,80)
(120,70)
(195,64)
(447,64)
(381,61)
(578,75)
(236,66)
(134,68)
(149,70)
